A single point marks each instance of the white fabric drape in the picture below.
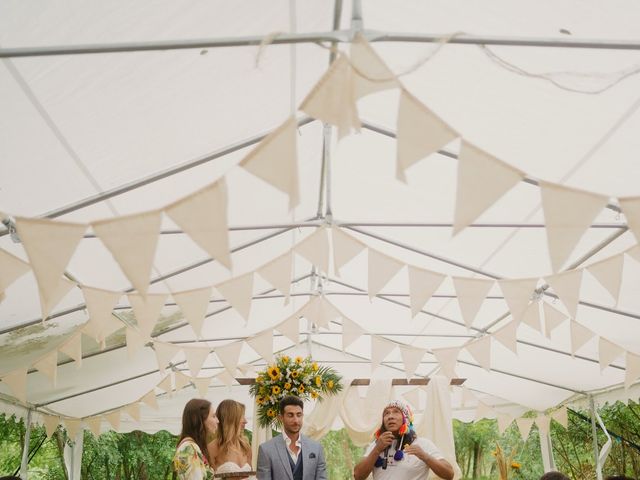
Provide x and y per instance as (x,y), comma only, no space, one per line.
(361,416)
(319,422)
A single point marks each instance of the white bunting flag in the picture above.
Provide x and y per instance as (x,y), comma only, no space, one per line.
(150,400)
(508,336)
(632,363)
(147,310)
(422,285)
(413,397)
(49,245)
(544,423)
(194,305)
(320,311)
(411,358)
(226,378)
(135,342)
(275,160)
(560,416)
(100,304)
(132,240)
(480,350)
(579,336)
(278,274)
(48,365)
(229,355)
(351,332)
(203,216)
(380,349)
(609,274)
(420,133)
(50,424)
(181,380)
(447,358)
(531,317)
(73,348)
(382,269)
(568,213)
(524,425)
(196,357)
(72,426)
(263,345)
(238,292)
(202,385)
(315,249)
(47,305)
(371,74)
(345,248)
(482,181)
(608,352)
(290,328)
(332,100)
(114,419)
(631,208)
(552,318)
(483,411)
(17,383)
(165,353)
(471,293)
(167,383)
(504,421)
(94,424)
(11,268)
(518,294)
(567,286)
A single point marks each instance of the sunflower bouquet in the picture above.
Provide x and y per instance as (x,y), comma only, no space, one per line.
(297,376)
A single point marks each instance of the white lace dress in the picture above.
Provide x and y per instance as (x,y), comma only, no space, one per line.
(232,467)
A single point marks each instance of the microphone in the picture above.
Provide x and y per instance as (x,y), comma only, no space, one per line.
(386,458)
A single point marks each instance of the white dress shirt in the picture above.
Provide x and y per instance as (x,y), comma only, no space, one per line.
(294,456)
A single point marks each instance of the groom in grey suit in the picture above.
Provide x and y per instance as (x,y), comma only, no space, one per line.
(291,456)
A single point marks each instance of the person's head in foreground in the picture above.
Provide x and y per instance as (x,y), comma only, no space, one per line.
(291,415)
(554,476)
(231,423)
(198,422)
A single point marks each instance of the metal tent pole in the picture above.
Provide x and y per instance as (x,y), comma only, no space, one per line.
(594,433)
(546,449)
(25,451)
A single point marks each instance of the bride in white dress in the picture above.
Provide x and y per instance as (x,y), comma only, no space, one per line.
(230,450)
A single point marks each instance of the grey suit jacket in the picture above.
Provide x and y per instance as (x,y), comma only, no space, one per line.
(273,460)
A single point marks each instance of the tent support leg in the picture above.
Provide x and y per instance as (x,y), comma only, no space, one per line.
(25,450)
(594,433)
(546,449)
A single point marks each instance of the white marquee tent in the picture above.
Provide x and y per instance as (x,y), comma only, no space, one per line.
(188,183)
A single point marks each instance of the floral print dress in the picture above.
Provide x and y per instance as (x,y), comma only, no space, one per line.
(189,463)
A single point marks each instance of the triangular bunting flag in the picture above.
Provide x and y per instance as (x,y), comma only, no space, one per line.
(165,352)
(609,274)
(50,424)
(413,397)
(11,268)
(226,378)
(568,213)
(47,305)
(196,357)
(371,74)
(351,332)
(278,273)
(608,352)
(100,304)
(48,365)
(531,317)
(320,311)
(49,245)
(422,285)
(507,336)
(73,348)
(147,310)
(471,293)
(135,341)
(132,240)
(181,380)
(229,355)
(447,358)
(579,336)
(480,350)
(150,400)
(275,160)
(167,383)
(634,252)
(94,424)
(203,216)
(290,328)
(315,249)
(238,292)
(567,286)
(524,425)
(17,383)
(380,349)
(263,345)
(504,421)
(517,294)
(420,133)
(194,305)
(560,416)
(332,100)
(483,411)
(345,248)
(382,269)
(544,423)
(411,358)
(202,385)
(632,363)
(114,419)
(631,208)
(72,426)
(552,318)
(482,181)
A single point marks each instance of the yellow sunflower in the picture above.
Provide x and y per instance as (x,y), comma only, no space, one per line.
(330,384)
(273,372)
(314,395)
(301,389)
(294,374)
(275,389)
(315,366)
(271,412)
(287,386)
(285,359)
(298,360)
(318,381)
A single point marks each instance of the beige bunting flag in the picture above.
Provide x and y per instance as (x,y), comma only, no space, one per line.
(531,317)
(73,348)
(508,336)
(238,292)
(422,285)
(132,240)
(567,286)
(380,349)
(150,400)
(518,294)
(382,269)
(50,424)
(181,381)
(411,358)
(196,357)
(315,249)
(72,426)
(471,293)
(480,350)
(320,311)
(114,419)
(17,383)
(147,310)
(290,328)
(447,358)
(263,345)
(11,269)
(371,74)
(194,305)
(608,352)
(100,303)
(552,318)
(609,274)
(226,378)
(631,208)
(579,336)
(94,424)
(504,421)
(544,423)
(202,385)
(47,305)
(568,213)
(632,362)
(167,384)
(482,181)
(165,353)
(135,342)
(49,245)
(561,416)
(229,355)
(524,425)
(203,216)
(420,133)
(345,248)
(332,100)
(278,273)
(48,365)
(351,332)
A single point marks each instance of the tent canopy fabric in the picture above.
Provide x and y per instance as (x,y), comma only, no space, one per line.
(546,91)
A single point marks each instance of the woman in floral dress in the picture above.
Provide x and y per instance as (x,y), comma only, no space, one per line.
(191,460)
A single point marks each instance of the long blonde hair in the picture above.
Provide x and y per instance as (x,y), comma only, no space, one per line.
(230,432)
